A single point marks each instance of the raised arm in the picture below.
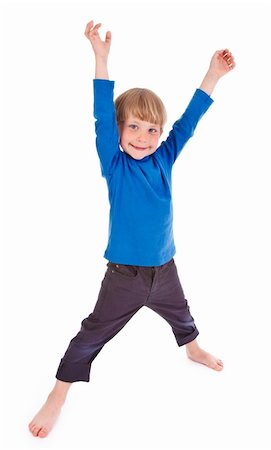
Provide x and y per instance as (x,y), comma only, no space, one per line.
(101,49)
(221,63)
(107,137)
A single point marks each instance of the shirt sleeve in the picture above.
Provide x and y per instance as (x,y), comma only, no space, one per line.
(107,137)
(183,129)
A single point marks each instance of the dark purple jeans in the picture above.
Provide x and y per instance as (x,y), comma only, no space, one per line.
(124,290)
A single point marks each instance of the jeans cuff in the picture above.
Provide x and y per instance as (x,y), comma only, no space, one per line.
(187,339)
(71,372)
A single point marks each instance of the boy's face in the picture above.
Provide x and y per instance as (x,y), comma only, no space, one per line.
(139,138)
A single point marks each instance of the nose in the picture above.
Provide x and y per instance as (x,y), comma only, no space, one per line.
(142,136)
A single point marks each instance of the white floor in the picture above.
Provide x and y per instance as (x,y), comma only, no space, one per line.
(145,394)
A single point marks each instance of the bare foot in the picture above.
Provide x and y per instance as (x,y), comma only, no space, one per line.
(197,354)
(45,419)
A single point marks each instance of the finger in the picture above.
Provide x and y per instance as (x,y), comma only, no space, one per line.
(221,53)
(228,58)
(98,25)
(108,37)
(92,31)
(232,65)
(227,55)
(230,61)
(89,28)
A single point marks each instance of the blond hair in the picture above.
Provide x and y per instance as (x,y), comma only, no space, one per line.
(141,103)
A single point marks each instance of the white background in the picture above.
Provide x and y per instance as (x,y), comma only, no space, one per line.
(143,392)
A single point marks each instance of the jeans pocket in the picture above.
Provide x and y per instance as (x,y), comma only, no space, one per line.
(124,270)
(168,266)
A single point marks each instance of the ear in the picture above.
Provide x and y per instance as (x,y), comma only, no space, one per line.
(120,128)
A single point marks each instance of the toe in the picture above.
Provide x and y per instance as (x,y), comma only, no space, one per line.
(34,427)
(35,431)
(43,433)
(219,366)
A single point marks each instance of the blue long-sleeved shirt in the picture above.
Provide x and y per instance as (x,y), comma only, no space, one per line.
(141,211)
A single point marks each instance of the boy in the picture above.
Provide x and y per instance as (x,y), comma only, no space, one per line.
(141,269)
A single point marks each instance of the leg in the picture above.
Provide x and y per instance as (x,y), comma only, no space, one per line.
(168,300)
(117,303)
(45,419)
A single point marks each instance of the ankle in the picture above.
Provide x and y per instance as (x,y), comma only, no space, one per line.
(56,399)
(57,396)
(193,347)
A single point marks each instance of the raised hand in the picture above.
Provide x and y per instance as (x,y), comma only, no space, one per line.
(100,48)
(222,62)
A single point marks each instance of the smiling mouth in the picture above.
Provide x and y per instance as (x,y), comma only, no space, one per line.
(139,148)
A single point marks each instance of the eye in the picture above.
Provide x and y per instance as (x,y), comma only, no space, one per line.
(133,126)
(153,130)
